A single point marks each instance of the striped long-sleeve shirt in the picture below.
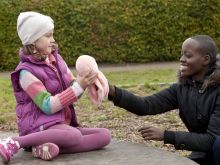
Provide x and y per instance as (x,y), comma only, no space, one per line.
(43,99)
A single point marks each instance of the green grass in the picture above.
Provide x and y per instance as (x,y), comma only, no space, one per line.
(141,77)
(122,124)
(127,80)
(7,102)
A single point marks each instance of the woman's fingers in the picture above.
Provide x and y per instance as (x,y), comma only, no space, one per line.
(151,133)
(144,128)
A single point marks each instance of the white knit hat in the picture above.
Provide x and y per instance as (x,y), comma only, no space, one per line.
(32,25)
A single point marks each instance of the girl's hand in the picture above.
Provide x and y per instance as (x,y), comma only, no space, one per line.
(152,133)
(87,79)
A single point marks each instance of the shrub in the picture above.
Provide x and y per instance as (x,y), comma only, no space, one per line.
(113,31)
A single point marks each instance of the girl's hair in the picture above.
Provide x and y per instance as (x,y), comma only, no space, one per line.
(207,46)
(32,50)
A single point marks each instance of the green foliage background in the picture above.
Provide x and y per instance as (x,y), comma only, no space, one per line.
(113,31)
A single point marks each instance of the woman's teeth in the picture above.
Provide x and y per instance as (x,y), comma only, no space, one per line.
(183,67)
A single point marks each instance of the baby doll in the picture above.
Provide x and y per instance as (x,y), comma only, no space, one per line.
(100,88)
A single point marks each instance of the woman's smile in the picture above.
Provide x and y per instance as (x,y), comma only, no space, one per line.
(183,67)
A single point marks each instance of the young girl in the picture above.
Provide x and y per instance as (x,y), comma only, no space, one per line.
(196,95)
(45,89)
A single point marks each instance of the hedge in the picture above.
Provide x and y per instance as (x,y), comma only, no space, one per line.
(113,31)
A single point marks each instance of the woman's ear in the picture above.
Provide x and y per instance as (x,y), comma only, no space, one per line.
(207,60)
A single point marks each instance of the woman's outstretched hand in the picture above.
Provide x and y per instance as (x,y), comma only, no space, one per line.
(152,133)
(87,79)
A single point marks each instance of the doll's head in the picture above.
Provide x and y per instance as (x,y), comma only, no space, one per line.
(86,63)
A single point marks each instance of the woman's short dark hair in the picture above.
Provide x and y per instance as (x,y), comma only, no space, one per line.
(207,46)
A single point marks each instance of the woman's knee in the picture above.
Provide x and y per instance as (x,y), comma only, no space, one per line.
(216,145)
(216,150)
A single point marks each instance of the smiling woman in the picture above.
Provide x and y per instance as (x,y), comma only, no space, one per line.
(198,54)
(196,95)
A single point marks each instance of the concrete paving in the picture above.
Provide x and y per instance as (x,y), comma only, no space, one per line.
(116,153)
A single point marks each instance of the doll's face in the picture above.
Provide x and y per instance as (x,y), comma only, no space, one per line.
(45,43)
(192,61)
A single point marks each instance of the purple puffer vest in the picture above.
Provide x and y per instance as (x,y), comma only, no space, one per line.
(29,117)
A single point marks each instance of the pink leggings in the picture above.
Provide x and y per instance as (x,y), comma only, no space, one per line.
(69,139)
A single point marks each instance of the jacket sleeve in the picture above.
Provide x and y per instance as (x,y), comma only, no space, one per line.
(155,104)
(48,103)
(195,141)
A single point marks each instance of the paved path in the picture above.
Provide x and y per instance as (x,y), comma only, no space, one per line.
(117,153)
(125,67)
(137,67)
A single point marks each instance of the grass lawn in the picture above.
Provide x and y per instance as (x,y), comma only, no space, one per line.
(122,124)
